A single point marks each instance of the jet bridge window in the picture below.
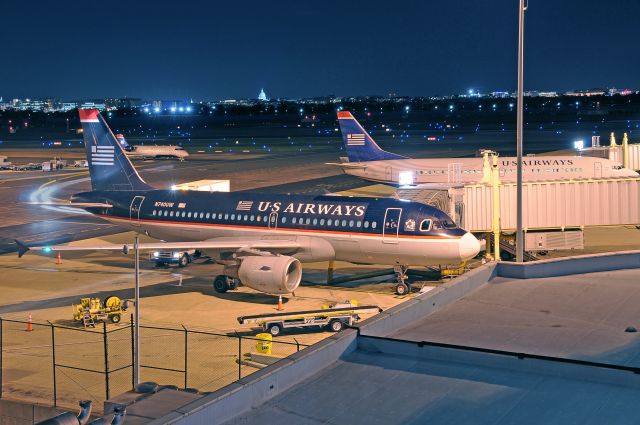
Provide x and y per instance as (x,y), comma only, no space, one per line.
(425,225)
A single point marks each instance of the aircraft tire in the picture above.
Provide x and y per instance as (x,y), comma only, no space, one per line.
(402,289)
(220,284)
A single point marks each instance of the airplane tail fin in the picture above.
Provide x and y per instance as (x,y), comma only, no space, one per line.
(359,145)
(109,167)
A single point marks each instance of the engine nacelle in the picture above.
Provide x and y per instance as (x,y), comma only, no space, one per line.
(278,274)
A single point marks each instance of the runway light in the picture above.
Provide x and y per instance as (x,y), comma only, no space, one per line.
(578,144)
(188,108)
(181,109)
(405,178)
(156,110)
(173,109)
(146,109)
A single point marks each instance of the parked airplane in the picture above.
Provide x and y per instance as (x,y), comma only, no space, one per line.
(368,161)
(152,151)
(261,239)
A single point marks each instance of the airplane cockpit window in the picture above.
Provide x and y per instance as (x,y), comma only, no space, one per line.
(425,225)
(410,225)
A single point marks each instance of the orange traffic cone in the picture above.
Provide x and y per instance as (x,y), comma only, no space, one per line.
(280,308)
(29,324)
(59,258)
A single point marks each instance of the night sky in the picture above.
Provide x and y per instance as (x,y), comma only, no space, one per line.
(209,50)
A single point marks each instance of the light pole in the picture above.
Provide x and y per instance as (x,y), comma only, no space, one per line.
(136,319)
(519,231)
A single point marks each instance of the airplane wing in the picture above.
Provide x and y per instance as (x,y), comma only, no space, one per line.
(348,165)
(73,204)
(218,244)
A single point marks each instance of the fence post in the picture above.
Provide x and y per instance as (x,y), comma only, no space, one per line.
(106,359)
(239,356)
(297,345)
(53,359)
(186,351)
(133,355)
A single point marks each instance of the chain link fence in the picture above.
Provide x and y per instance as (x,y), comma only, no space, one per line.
(53,364)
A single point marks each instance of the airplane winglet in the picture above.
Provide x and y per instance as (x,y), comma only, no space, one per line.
(22,248)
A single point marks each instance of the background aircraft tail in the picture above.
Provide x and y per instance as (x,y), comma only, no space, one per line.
(109,167)
(126,146)
(359,145)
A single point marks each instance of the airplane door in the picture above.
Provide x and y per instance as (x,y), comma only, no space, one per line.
(597,170)
(388,173)
(273,220)
(391,225)
(454,172)
(134,210)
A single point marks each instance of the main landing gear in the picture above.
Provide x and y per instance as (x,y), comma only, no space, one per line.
(223,283)
(403,287)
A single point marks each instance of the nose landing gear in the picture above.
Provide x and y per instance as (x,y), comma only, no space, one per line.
(403,287)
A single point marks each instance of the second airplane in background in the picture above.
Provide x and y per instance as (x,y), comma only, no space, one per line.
(368,161)
(152,151)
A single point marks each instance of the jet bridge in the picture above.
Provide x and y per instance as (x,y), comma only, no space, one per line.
(548,207)
(625,154)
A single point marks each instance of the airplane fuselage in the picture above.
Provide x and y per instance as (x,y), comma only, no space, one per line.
(357,230)
(470,170)
(176,152)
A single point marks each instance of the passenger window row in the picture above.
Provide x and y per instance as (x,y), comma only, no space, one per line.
(264,219)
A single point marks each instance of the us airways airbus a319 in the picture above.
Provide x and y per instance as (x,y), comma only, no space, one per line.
(262,239)
(368,161)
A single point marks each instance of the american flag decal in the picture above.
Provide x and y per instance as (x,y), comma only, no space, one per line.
(244,205)
(102,155)
(355,139)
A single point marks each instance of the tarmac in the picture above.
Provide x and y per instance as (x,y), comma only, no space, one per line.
(171,297)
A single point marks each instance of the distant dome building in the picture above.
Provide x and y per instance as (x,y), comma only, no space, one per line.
(262,96)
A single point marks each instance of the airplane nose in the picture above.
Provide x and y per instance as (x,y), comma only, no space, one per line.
(469,246)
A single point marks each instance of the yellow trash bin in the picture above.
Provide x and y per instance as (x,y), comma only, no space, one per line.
(264,344)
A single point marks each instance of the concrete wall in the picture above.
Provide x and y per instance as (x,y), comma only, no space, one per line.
(259,387)
(408,312)
(571,265)
(18,413)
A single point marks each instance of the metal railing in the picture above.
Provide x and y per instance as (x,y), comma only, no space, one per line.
(58,364)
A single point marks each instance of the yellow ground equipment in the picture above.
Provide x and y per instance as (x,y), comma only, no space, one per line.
(91,310)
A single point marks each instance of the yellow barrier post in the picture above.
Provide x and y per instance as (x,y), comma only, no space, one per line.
(264,345)
(612,140)
(625,151)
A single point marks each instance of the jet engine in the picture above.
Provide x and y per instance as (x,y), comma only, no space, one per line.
(278,274)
